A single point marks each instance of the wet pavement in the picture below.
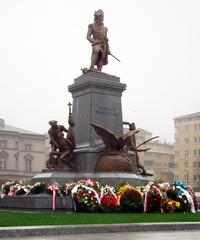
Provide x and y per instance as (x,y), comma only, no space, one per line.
(170,235)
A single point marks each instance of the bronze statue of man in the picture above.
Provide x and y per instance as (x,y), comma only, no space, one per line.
(62,147)
(132,147)
(97,36)
(54,133)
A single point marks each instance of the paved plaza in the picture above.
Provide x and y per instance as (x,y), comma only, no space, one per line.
(170,235)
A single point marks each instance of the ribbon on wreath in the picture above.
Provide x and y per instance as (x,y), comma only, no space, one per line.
(189,198)
(54,189)
(146,196)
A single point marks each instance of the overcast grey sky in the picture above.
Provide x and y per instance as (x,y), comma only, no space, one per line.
(43,46)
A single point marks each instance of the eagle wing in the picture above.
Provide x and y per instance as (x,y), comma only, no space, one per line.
(110,139)
(127,137)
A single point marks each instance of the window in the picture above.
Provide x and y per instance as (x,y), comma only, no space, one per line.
(2,144)
(196,127)
(175,165)
(28,147)
(196,139)
(186,153)
(3,159)
(2,162)
(187,128)
(176,129)
(28,165)
(170,165)
(186,140)
(196,164)
(28,162)
(186,165)
(195,152)
(176,153)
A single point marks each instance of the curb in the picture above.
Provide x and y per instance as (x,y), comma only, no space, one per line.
(17,232)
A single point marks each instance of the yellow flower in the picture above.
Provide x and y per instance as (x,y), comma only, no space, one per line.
(177,204)
(124,189)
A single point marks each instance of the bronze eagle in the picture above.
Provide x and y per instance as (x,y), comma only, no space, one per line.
(111,140)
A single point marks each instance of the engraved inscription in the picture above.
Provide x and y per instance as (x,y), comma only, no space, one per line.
(106,111)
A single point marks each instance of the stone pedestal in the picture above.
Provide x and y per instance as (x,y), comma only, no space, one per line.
(96,99)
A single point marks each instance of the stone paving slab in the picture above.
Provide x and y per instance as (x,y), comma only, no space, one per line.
(175,235)
(19,232)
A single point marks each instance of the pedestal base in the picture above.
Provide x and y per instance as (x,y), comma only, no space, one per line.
(36,202)
(114,179)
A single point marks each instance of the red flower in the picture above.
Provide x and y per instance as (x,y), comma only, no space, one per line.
(109,202)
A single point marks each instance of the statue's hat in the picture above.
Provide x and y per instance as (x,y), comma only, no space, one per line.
(52,122)
(98,12)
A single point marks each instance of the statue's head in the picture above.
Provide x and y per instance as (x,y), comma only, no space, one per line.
(52,123)
(132,126)
(99,15)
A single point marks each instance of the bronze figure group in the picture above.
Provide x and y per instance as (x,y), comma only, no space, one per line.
(62,146)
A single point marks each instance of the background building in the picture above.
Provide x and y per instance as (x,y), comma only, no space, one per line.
(187,149)
(22,153)
(159,160)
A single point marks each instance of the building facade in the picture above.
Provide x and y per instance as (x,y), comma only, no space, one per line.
(22,153)
(187,149)
(159,160)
